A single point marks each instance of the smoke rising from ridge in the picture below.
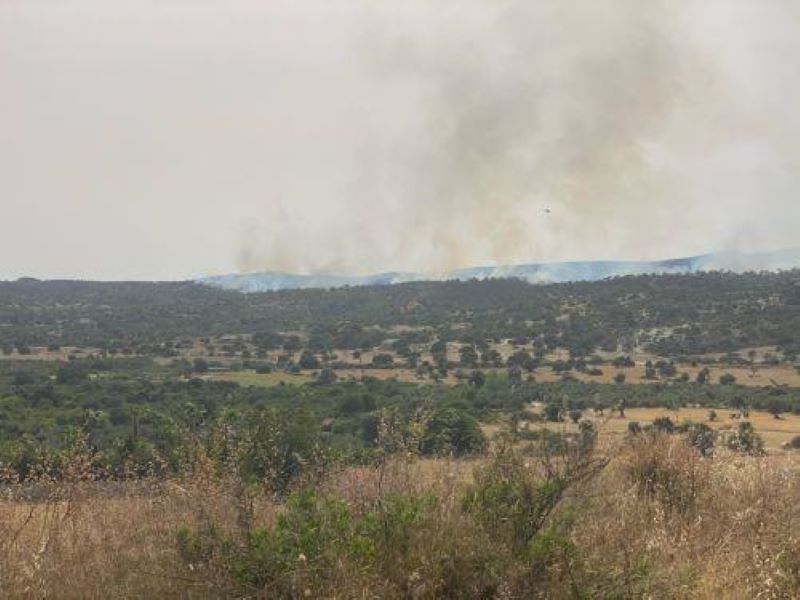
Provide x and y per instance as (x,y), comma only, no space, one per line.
(528,131)
(343,136)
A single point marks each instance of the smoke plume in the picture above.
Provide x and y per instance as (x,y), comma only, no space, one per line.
(343,136)
(512,132)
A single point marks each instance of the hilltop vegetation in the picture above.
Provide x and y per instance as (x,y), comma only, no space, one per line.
(669,315)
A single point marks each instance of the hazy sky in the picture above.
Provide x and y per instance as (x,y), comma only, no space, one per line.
(169,139)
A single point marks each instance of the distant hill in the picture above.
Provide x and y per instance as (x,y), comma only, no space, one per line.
(560,272)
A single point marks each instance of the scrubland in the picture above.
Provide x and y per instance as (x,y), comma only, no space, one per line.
(640,516)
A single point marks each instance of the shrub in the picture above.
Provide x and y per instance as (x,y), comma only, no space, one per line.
(746,440)
(512,497)
(666,470)
(308,360)
(511,501)
(701,436)
(552,412)
(382,361)
(313,537)
(664,424)
(451,431)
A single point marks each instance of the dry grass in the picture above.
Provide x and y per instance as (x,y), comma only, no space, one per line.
(774,431)
(658,521)
(736,538)
(253,379)
(762,376)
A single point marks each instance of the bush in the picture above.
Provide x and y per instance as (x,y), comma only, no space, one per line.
(512,498)
(313,538)
(308,360)
(451,431)
(664,424)
(511,501)
(746,440)
(701,436)
(666,470)
(552,412)
(383,361)
(72,373)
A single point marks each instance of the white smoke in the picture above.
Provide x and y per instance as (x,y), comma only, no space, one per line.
(521,131)
(356,137)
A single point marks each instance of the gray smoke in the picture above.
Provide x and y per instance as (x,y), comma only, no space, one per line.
(519,131)
(345,136)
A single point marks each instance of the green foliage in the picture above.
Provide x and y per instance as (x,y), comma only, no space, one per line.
(700,436)
(382,361)
(450,431)
(552,412)
(746,440)
(664,424)
(314,534)
(707,312)
(308,360)
(72,373)
(551,546)
(511,501)
(273,446)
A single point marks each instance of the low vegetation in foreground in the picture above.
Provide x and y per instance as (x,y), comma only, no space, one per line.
(654,514)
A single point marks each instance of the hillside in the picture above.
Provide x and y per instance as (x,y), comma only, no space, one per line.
(560,272)
(666,314)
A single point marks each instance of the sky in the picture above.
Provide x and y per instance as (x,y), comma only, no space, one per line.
(171,139)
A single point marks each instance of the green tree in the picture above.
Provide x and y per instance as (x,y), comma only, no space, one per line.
(451,431)
(308,360)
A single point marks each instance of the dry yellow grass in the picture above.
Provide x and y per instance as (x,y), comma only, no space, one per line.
(100,540)
(774,431)
(734,534)
(762,376)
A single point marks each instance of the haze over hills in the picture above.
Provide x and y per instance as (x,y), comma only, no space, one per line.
(556,272)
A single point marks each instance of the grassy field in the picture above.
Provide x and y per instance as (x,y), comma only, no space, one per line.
(251,378)
(774,431)
(762,376)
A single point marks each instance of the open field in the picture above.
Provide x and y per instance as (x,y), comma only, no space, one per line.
(251,378)
(774,431)
(762,376)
